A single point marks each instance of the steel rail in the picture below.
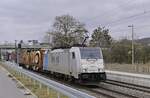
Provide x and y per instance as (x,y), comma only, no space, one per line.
(129,85)
(70,92)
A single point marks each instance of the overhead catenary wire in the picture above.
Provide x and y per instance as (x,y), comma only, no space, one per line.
(137,28)
(112,11)
(126,18)
(121,20)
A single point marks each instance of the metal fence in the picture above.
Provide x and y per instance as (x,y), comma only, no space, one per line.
(137,68)
(62,91)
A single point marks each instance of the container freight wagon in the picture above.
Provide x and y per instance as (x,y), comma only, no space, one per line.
(84,64)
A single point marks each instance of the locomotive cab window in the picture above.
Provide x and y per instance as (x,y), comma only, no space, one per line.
(90,53)
(73,55)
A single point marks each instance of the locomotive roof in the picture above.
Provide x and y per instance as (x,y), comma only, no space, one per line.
(68,47)
(60,50)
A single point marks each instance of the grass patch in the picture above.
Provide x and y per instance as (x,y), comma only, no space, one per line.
(40,90)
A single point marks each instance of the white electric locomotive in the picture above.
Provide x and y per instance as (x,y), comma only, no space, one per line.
(84,64)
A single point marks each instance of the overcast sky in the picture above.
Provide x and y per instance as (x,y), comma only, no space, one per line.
(30,19)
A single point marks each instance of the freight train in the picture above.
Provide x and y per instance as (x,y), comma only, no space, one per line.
(82,64)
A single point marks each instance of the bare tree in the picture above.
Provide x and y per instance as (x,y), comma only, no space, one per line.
(101,37)
(67,31)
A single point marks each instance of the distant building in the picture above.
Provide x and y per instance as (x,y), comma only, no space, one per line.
(33,42)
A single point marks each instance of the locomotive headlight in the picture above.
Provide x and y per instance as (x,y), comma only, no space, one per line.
(100,69)
(84,70)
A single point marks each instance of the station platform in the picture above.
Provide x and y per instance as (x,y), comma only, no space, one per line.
(8,88)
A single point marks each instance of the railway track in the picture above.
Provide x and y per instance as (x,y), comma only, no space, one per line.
(126,90)
(108,89)
(111,93)
(130,86)
(88,89)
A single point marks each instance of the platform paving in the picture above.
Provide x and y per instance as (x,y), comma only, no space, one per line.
(8,88)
